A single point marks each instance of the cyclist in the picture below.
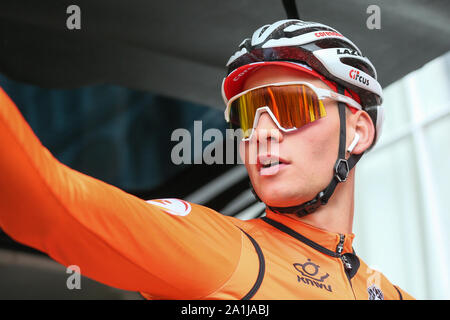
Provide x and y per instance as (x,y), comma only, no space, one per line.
(302,93)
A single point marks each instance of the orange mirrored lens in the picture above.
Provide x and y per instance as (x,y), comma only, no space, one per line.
(292,105)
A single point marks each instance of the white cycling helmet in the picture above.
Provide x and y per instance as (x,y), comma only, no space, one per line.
(322,48)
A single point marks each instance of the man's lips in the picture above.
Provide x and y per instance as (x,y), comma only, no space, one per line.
(270,164)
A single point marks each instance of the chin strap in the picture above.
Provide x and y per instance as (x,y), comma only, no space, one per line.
(341,170)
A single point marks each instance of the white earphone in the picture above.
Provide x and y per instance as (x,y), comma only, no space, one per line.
(354,143)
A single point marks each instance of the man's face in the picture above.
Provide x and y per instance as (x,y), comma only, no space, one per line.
(307,155)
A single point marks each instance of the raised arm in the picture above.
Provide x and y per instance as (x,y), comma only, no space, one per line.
(114,237)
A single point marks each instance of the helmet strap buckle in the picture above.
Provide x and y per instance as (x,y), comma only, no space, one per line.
(341,170)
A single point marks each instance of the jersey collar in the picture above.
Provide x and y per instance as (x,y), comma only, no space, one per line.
(322,240)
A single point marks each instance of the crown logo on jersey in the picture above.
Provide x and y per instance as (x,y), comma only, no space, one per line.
(309,275)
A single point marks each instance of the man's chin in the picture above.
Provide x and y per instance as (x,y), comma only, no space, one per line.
(277,193)
(281,200)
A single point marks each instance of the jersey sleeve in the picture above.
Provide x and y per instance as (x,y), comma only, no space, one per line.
(169,249)
(403,295)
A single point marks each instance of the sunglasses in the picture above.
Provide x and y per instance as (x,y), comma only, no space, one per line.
(291,105)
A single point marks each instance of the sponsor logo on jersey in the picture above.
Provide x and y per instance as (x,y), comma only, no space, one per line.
(375,293)
(348,51)
(354,74)
(327,34)
(309,275)
(175,207)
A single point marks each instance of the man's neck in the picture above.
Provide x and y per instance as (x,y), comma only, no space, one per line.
(337,214)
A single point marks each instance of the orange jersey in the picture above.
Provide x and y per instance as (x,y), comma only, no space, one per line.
(168,248)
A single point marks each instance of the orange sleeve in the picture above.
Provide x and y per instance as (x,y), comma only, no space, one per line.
(114,237)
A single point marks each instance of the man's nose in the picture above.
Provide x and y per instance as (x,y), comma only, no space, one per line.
(267,130)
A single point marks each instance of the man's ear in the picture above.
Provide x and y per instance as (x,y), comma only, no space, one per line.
(360,123)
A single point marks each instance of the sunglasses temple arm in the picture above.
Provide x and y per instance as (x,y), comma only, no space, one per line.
(338,97)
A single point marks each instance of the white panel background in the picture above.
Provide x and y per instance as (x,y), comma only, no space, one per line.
(402,222)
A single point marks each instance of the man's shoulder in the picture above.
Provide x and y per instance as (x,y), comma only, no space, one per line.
(378,286)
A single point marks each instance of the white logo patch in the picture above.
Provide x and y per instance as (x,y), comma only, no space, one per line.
(375,293)
(175,207)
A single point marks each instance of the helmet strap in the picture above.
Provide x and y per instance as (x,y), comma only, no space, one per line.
(341,170)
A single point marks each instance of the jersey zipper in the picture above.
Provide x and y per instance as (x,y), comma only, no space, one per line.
(335,254)
(347,265)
